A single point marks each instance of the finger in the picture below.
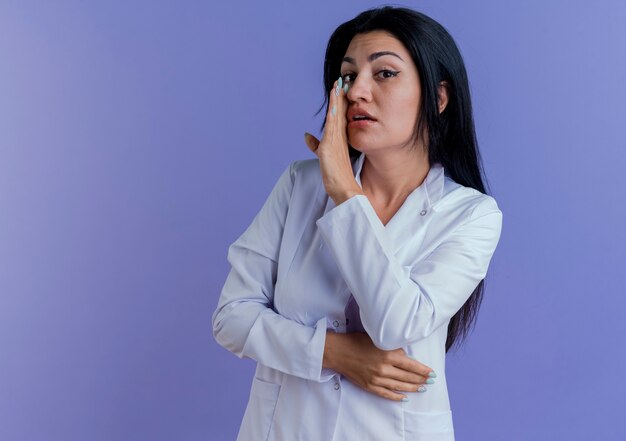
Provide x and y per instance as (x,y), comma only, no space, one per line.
(336,100)
(336,119)
(410,364)
(386,393)
(407,376)
(401,386)
(332,105)
(341,101)
(311,141)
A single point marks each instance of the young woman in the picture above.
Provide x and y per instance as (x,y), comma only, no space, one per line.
(366,264)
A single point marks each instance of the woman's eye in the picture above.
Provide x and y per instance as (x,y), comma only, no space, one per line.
(387,71)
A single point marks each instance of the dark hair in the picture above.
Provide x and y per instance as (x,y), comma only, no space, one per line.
(451,135)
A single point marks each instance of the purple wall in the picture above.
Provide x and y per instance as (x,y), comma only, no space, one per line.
(131,138)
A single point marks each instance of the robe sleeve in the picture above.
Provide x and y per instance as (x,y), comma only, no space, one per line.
(245,322)
(398,304)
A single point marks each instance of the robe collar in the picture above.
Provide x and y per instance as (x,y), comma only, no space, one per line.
(431,189)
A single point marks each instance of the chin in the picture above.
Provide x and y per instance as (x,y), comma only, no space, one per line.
(363,147)
(360,145)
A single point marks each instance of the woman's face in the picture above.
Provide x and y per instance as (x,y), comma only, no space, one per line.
(386,86)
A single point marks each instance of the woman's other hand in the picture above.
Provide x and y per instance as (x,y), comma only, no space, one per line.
(332,150)
(383,373)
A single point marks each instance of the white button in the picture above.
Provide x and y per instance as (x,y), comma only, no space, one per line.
(423,212)
(336,323)
(336,386)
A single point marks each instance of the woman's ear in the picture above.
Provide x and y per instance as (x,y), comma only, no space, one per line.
(443,95)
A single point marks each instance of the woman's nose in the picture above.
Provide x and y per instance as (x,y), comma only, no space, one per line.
(359,89)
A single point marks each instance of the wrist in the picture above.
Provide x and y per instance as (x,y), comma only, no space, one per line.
(330,351)
(344,195)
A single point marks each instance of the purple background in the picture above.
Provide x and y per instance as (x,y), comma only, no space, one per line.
(139,139)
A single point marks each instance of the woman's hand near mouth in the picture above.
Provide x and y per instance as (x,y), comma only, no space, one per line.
(332,150)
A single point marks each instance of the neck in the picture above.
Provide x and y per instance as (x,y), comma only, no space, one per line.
(389,177)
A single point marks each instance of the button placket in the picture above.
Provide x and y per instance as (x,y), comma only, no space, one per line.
(336,323)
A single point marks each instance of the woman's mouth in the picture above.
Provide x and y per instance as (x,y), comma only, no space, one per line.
(361,123)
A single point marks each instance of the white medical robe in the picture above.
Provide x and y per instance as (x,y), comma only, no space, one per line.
(302,263)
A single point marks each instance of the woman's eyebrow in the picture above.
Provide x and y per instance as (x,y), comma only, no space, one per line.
(372,57)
